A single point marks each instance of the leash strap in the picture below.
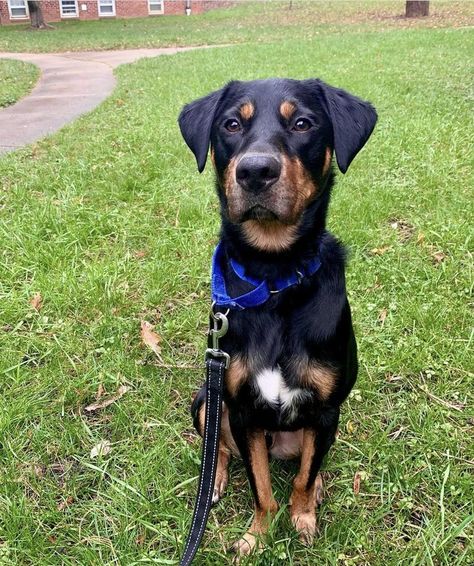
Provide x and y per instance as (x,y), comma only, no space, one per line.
(215,369)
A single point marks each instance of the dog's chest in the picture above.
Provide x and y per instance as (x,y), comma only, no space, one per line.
(271,389)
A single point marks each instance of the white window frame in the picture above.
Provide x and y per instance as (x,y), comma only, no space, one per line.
(156,12)
(106,3)
(13,17)
(69,15)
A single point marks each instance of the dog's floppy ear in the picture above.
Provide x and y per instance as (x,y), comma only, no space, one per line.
(195,123)
(353,120)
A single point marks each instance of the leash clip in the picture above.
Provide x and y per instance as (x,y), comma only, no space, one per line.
(220,328)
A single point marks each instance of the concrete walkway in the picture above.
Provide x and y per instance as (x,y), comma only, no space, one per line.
(71,84)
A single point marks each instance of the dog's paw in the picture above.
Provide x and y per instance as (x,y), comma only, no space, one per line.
(245,546)
(305,524)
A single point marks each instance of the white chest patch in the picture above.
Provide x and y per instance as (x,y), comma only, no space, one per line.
(272,387)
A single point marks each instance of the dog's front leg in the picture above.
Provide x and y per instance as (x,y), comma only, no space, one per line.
(308,485)
(253,450)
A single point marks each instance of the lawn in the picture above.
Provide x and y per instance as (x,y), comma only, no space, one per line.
(17,78)
(110,223)
(257,21)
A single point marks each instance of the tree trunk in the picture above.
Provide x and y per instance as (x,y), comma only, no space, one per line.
(36,15)
(417,8)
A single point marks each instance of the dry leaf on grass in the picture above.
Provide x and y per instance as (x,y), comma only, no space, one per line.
(358,478)
(438,256)
(390,377)
(36,301)
(356,483)
(382,316)
(380,251)
(420,238)
(150,338)
(106,401)
(100,392)
(404,229)
(68,501)
(101,449)
(38,470)
(140,540)
(350,427)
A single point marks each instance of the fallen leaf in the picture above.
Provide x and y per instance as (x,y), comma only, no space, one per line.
(438,256)
(390,377)
(356,483)
(68,501)
(420,238)
(58,468)
(379,251)
(382,316)
(350,427)
(38,470)
(100,392)
(404,229)
(36,301)
(108,400)
(139,254)
(101,449)
(150,338)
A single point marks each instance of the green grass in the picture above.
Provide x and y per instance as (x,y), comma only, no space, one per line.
(110,222)
(247,21)
(17,78)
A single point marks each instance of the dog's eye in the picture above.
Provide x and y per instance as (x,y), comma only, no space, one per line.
(232,125)
(302,125)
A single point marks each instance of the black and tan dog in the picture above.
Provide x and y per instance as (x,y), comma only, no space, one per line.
(294,357)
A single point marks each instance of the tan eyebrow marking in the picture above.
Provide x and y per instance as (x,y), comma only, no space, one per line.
(287,109)
(247,110)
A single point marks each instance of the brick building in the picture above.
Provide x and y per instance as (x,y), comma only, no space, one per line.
(16,11)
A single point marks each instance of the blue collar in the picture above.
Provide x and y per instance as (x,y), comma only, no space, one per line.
(262,290)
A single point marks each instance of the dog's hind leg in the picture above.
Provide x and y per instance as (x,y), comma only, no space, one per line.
(226,443)
(308,485)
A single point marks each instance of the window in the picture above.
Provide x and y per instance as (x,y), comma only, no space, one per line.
(18,9)
(68,8)
(106,7)
(155,7)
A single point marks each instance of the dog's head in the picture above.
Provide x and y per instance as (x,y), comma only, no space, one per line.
(272,143)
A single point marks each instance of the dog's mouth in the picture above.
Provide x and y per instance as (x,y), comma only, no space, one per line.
(260,213)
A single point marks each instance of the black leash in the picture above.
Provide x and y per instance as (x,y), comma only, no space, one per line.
(217,362)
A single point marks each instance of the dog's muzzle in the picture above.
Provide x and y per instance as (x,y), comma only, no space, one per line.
(257,172)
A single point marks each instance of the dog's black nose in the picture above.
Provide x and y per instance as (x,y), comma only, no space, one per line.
(256,172)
